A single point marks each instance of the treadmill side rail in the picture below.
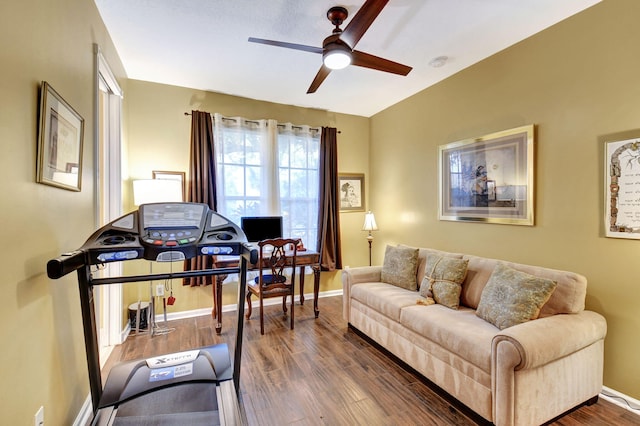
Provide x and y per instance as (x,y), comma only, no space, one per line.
(228,406)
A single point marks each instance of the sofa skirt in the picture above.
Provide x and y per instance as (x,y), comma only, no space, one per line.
(467,383)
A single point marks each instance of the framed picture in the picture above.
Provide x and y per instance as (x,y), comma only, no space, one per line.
(488,179)
(622,186)
(179,176)
(60,135)
(351,187)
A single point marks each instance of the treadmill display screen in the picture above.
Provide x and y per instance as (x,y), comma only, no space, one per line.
(173,215)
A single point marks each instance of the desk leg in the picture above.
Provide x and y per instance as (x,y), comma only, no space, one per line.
(217,303)
(214,292)
(301,279)
(316,289)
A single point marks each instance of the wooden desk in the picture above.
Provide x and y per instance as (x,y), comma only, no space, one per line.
(303,259)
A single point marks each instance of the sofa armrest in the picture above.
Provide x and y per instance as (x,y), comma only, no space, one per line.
(538,344)
(362,274)
(351,276)
(543,340)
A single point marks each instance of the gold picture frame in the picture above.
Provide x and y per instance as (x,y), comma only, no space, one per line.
(622,186)
(488,179)
(60,136)
(351,188)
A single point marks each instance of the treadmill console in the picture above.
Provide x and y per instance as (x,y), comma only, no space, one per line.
(163,232)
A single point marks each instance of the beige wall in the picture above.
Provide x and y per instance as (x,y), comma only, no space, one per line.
(158,139)
(43,358)
(578,82)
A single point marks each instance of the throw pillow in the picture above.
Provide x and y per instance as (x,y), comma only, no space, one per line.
(399,267)
(512,297)
(425,301)
(443,279)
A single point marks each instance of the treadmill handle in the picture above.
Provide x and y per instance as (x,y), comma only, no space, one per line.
(252,253)
(67,262)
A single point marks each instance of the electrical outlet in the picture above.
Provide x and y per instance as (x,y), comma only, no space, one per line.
(159,290)
(39,417)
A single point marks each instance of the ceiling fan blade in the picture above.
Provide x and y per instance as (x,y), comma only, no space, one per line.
(366,60)
(361,21)
(303,47)
(322,74)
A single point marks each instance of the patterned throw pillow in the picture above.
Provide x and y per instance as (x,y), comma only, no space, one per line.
(399,267)
(443,279)
(512,297)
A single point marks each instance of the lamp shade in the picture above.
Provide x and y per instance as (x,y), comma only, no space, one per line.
(369,222)
(147,191)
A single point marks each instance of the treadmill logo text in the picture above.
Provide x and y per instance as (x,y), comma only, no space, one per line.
(171,372)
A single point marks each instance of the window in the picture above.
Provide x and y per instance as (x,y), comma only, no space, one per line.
(265,168)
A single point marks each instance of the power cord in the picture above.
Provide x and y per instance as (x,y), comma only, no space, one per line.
(620,398)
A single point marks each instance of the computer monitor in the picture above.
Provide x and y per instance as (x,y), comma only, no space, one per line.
(258,228)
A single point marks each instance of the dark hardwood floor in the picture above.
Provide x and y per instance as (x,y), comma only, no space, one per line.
(323,373)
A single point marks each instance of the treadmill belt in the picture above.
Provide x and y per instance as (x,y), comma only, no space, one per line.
(185,404)
(190,419)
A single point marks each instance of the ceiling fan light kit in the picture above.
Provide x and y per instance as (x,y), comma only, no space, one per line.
(336,56)
(337,49)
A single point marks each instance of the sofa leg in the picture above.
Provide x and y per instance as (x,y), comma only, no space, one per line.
(591,401)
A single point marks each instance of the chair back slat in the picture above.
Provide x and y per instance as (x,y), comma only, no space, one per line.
(277,255)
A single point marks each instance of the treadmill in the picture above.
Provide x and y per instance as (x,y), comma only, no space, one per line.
(195,387)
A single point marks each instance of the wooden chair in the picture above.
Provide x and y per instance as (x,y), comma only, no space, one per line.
(275,255)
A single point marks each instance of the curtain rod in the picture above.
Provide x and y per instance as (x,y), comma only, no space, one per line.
(256,122)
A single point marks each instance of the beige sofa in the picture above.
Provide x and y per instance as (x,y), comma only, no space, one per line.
(525,374)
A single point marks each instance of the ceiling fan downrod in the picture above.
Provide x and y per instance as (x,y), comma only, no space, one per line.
(337,15)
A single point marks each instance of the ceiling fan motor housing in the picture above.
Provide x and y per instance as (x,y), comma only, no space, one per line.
(337,15)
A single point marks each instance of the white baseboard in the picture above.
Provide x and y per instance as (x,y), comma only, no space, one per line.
(621,400)
(86,413)
(308,298)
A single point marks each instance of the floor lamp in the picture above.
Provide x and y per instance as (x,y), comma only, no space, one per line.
(369,225)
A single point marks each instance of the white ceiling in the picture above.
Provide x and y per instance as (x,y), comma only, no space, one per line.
(202,44)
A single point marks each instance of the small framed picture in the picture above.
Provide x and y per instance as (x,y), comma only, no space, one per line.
(60,134)
(351,187)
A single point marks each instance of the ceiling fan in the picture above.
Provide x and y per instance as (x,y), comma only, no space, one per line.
(337,49)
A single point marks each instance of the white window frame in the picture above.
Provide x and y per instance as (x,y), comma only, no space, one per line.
(108,197)
(271,196)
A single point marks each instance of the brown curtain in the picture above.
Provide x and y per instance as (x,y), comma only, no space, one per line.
(329,218)
(202,184)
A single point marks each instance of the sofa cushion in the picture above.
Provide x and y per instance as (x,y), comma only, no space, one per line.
(512,297)
(399,267)
(459,332)
(385,298)
(443,279)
